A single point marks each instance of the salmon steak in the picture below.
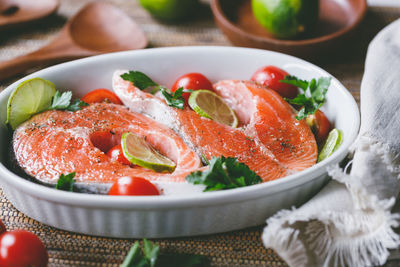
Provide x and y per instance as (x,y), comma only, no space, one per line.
(60,142)
(269,139)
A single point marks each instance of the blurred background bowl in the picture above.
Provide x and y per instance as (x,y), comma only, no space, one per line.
(337,20)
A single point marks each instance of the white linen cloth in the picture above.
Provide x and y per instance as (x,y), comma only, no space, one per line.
(349,223)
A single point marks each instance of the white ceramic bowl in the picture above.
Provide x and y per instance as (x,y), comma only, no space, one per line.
(173,216)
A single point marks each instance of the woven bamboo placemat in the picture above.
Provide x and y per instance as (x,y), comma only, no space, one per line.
(238,248)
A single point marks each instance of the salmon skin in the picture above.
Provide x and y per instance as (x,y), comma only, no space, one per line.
(269,140)
(59,142)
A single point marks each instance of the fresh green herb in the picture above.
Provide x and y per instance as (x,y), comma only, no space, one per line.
(174,99)
(66,182)
(62,101)
(205,160)
(77,104)
(312,96)
(149,256)
(142,81)
(224,173)
(139,79)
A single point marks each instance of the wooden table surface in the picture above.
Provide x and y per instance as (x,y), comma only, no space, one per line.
(238,248)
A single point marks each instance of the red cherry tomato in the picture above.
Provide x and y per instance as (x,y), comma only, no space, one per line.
(133,186)
(22,248)
(117,154)
(192,81)
(2,227)
(101,95)
(104,140)
(270,77)
(320,125)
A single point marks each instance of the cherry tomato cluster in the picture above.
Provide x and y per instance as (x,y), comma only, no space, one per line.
(20,248)
(108,142)
(268,76)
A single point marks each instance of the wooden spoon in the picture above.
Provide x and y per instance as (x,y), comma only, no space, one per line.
(18,12)
(98,28)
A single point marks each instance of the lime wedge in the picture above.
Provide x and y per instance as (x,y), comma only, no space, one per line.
(331,145)
(30,97)
(139,152)
(209,105)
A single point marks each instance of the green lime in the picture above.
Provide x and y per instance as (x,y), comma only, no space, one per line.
(286,18)
(30,97)
(170,10)
(209,105)
(332,143)
(139,152)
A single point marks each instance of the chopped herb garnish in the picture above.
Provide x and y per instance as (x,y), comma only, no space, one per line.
(62,101)
(139,79)
(205,160)
(142,81)
(77,104)
(149,256)
(66,182)
(312,96)
(224,173)
(174,99)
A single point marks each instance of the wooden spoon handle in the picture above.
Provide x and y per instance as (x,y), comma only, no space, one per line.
(19,65)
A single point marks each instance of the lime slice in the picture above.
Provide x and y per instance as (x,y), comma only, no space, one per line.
(30,97)
(331,145)
(139,152)
(209,105)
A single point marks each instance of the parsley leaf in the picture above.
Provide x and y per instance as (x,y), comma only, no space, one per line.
(62,101)
(149,256)
(224,173)
(135,257)
(139,79)
(66,182)
(77,104)
(174,99)
(312,96)
(142,81)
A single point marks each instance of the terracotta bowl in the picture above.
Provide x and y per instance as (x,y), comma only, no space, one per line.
(337,20)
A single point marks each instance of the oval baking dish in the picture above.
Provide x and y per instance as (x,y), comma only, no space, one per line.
(173,216)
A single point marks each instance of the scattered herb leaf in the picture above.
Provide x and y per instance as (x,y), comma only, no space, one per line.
(66,182)
(143,82)
(205,160)
(135,257)
(224,173)
(149,256)
(174,99)
(77,104)
(139,79)
(62,101)
(312,96)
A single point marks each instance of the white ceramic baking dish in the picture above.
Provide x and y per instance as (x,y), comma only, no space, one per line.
(173,216)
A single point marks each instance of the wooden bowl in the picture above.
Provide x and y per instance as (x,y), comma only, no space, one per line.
(337,20)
